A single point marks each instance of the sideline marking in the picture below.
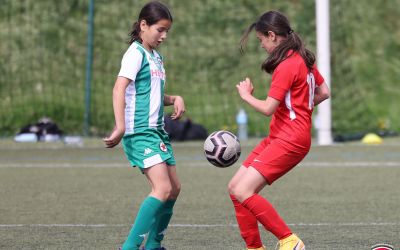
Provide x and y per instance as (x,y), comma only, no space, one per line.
(346,164)
(355,224)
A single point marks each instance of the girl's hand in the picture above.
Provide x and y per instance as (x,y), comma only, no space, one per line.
(245,88)
(179,108)
(114,138)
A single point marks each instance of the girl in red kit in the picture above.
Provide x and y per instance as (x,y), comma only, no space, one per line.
(296,88)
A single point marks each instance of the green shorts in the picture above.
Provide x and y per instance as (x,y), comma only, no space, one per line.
(147,148)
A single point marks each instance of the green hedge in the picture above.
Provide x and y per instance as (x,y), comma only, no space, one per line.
(43,51)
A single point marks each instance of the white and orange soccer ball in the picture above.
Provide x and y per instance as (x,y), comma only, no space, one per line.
(222,148)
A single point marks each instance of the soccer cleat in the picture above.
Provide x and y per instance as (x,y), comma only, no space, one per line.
(293,242)
(260,248)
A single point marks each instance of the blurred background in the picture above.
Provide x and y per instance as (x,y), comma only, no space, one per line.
(44,49)
(58,68)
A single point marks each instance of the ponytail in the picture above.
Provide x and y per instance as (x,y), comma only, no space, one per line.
(134,34)
(245,37)
(292,43)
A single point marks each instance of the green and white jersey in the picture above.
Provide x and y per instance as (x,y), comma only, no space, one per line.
(144,96)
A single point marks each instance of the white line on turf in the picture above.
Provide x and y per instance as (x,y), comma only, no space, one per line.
(325,224)
(344,164)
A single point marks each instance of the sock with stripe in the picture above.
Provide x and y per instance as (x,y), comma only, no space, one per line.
(267,216)
(248,225)
(157,232)
(144,221)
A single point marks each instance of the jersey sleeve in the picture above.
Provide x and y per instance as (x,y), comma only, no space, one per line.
(131,63)
(282,80)
(319,79)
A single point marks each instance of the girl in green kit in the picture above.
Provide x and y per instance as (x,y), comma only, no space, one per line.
(138,101)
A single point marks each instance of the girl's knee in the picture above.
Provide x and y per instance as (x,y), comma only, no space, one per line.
(240,193)
(175,192)
(231,188)
(163,193)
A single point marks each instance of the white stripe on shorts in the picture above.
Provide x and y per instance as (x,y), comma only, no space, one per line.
(152,160)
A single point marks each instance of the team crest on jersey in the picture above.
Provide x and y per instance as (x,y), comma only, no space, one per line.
(163,147)
(160,62)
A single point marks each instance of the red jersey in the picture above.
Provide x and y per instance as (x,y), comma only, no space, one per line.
(293,84)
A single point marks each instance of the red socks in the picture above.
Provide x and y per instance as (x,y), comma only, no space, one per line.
(247,224)
(266,215)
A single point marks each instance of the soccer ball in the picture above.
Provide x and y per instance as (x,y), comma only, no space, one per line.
(222,148)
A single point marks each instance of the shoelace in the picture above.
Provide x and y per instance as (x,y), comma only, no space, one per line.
(277,246)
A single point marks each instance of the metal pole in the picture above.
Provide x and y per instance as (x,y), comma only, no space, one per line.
(323,61)
(89,62)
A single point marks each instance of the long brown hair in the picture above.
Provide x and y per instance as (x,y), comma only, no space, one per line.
(278,23)
(152,12)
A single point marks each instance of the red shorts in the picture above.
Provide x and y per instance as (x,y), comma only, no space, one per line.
(272,159)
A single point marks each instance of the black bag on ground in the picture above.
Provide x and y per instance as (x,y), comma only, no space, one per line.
(184,130)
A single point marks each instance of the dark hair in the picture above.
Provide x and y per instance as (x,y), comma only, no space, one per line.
(152,12)
(278,23)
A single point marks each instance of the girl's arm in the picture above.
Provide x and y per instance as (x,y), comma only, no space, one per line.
(179,105)
(119,112)
(321,93)
(266,107)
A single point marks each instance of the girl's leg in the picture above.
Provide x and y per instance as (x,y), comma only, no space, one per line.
(247,222)
(246,191)
(157,232)
(159,180)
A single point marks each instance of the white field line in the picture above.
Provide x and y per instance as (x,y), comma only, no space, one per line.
(345,164)
(351,164)
(11,145)
(354,224)
(63,165)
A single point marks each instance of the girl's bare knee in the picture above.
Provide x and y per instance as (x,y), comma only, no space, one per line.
(175,192)
(231,187)
(163,193)
(240,193)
